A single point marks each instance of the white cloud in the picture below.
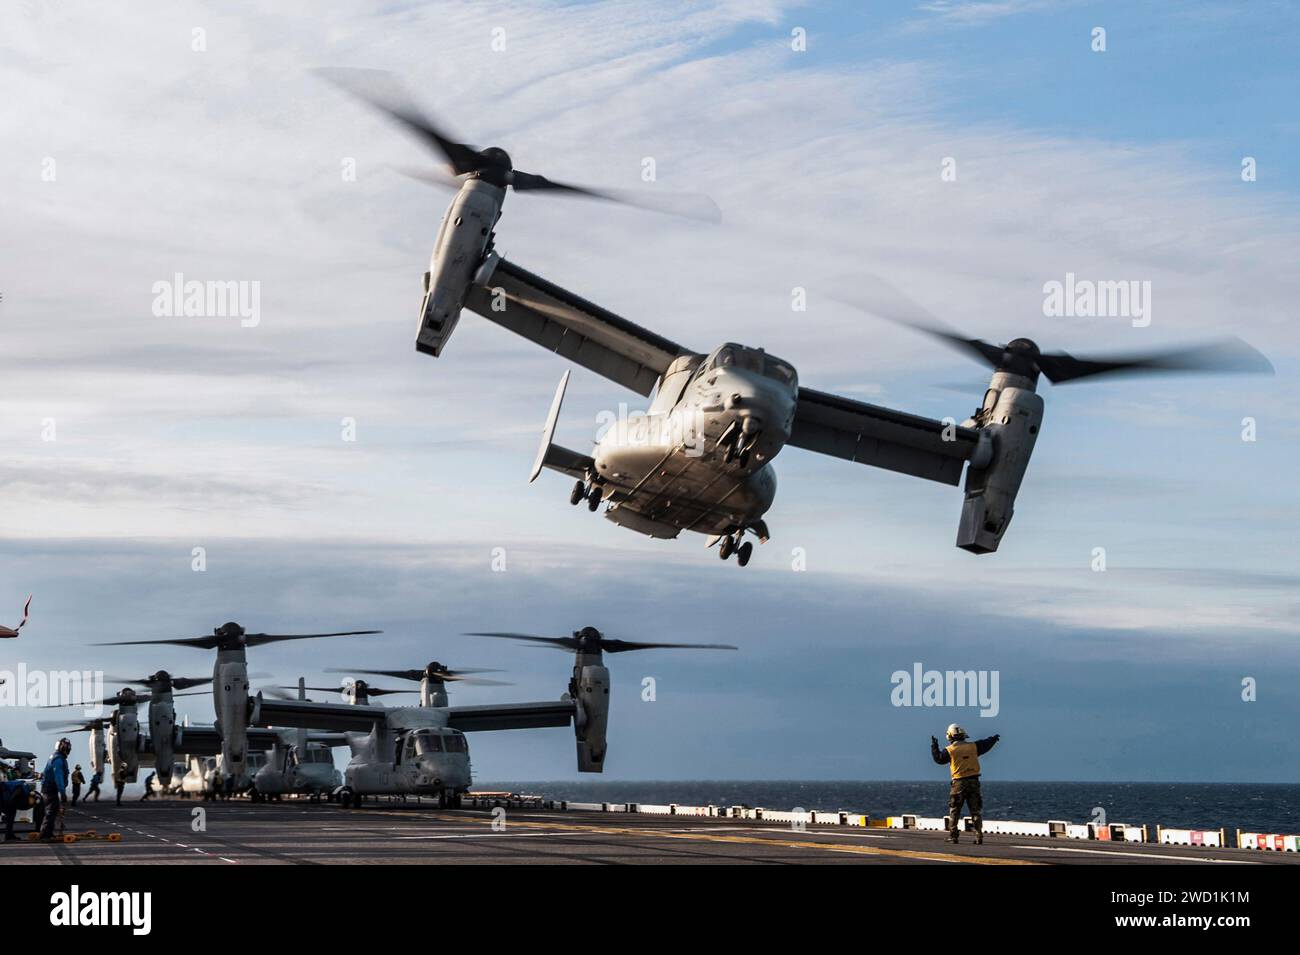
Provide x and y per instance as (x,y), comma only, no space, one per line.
(980,12)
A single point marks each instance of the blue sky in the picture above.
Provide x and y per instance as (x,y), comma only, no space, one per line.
(174,433)
(1218,78)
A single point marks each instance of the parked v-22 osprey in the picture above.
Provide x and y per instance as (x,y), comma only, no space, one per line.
(422,750)
(700,459)
(119,737)
(230,683)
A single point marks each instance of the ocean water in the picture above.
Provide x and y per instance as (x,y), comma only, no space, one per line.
(1251,807)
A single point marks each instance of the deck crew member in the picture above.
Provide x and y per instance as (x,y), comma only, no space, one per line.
(15,796)
(962,757)
(96,778)
(54,786)
(78,780)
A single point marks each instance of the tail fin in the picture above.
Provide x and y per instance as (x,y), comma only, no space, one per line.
(302,733)
(552,455)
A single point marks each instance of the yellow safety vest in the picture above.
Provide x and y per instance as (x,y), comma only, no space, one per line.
(963,760)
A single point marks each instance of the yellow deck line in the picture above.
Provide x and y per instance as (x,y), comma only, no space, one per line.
(928,856)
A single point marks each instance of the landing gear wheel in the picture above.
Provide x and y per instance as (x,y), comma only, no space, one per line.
(578,493)
(743,553)
(442,799)
(726,547)
(593,498)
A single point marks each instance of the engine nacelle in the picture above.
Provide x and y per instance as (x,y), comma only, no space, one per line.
(124,743)
(162,733)
(1012,414)
(592,718)
(457,257)
(98,749)
(230,692)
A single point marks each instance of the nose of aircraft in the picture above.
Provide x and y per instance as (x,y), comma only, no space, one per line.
(443,773)
(758,401)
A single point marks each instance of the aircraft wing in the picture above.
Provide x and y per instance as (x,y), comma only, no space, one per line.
(573,328)
(6,753)
(510,716)
(304,714)
(881,437)
(205,741)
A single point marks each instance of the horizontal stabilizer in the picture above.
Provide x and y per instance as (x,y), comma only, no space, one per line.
(568,462)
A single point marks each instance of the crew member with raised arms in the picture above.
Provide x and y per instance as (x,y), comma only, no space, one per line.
(962,757)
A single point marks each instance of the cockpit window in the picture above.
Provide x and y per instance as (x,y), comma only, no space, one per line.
(751,359)
(455,743)
(428,742)
(735,356)
(779,370)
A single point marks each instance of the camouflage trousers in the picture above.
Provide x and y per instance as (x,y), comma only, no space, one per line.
(968,791)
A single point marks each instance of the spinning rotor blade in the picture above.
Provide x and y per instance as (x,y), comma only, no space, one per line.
(875,296)
(607,644)
(432,177)
(278,692)
(132,681)
(384,92)
(185,682)
(382,691)
(457,675)
(215,641)
(472,680)
(116,700)
(1022,356)
(396,674)
(210,642)
(258,639)
(560,643)
(63,726)
(687,205)
(619,646)
(178,682)
(370,690)
(1228,355)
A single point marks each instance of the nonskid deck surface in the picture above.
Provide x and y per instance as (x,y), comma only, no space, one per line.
(239,833)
